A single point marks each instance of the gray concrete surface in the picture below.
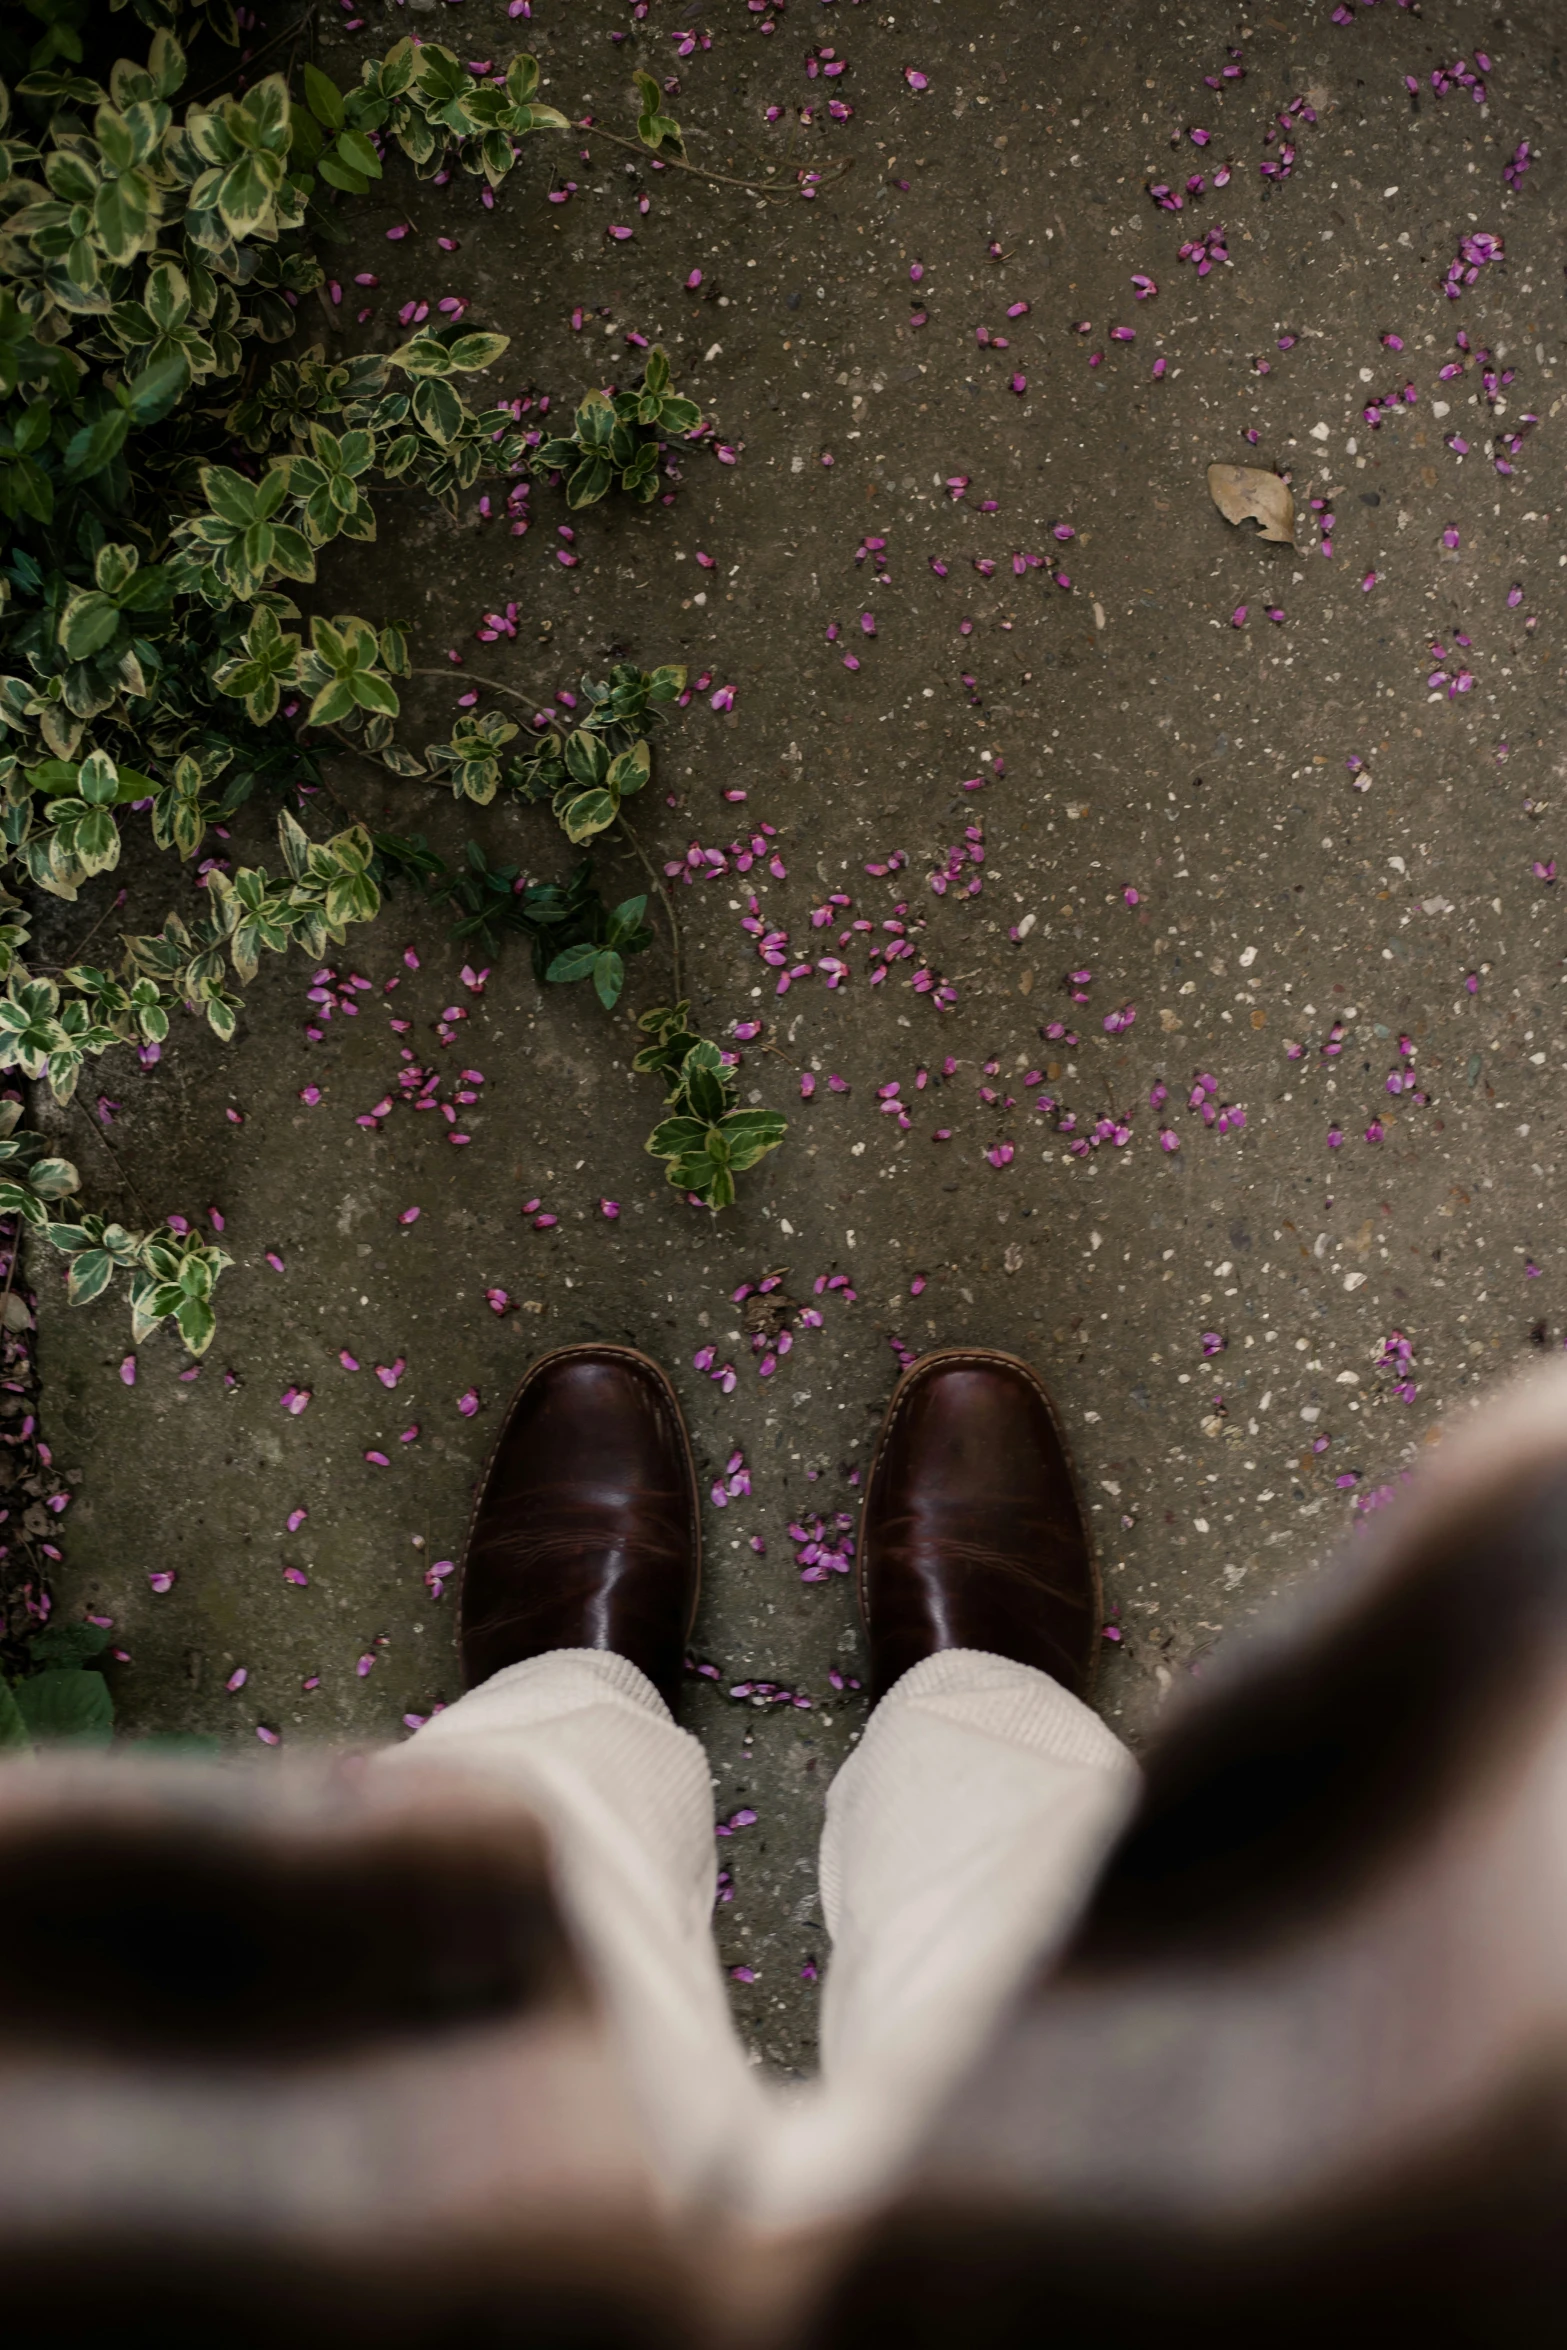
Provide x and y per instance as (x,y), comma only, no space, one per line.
(1130,738)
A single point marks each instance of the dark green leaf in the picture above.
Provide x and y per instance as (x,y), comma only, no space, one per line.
(342,176)
(68,1644)
(575,963)
(66,1704)
(306,140)
(90,448)
(89,621)
(675,1137)
(157,388)
(324,98)
(705,1093)
(13,1730)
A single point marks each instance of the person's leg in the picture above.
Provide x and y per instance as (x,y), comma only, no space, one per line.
(584,1737)
(576,1600)
(961,1838)
(1297,2076)
(963,1835)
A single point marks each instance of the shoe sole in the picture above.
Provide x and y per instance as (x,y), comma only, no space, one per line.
(566,1354)
(988,1358)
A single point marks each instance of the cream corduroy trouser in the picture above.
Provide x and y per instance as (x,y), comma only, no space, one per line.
(961,1838)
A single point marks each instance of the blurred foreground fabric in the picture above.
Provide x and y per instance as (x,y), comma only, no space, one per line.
(323,2055)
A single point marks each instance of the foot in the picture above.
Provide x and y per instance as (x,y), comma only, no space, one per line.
(973,1535)
(586,1532)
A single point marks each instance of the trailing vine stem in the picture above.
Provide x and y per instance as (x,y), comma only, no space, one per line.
(118,1164)
(495,685)
(772,193)
(293,35)
(662,887)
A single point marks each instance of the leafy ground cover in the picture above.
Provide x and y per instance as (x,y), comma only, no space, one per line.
(172,468)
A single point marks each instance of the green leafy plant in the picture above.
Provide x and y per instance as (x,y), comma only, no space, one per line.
(616,438)
(706,1140)
(587,772)
(169,476)
(61,1698)
(655,128)
(331,134)
(601,959)
(471,758)
(597,782)
(615,714)
(31,1179)
(570,930)
(171,1274)
(438,113)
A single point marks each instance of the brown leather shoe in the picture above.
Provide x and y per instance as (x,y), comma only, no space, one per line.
(586,1532)
(973,1535)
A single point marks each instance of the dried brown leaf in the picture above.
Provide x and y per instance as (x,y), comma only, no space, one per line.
(1245,493)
